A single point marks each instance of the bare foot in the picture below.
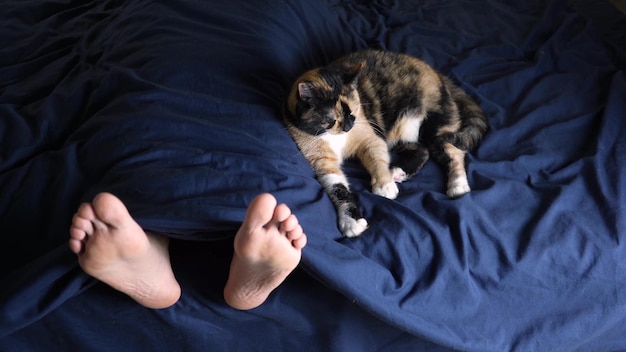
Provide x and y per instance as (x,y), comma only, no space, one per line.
(114,249)
(267,249)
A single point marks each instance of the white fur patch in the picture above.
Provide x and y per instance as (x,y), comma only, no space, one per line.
(351,227)
(337,142)
(458,187)
(407,129)
(410,128)
(390,190)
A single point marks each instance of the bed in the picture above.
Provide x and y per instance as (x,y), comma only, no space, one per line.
(175,107)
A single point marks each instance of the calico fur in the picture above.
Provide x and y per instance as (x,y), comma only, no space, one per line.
(374,105)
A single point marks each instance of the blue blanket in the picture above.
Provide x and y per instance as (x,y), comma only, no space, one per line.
(175,107)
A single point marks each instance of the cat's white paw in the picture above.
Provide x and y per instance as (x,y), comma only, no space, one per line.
(389,190)
(398,175)
(457,188)
(351,227)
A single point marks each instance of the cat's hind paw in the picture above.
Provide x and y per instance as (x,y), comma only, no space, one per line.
(389,190)
(399,175)
(458,188)
(352,227)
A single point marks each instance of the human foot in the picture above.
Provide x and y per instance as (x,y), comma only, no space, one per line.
(267,249)
(114,249)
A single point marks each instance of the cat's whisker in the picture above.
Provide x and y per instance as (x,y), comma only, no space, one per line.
(379,129)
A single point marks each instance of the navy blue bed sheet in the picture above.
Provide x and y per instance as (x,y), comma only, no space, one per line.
(175,106)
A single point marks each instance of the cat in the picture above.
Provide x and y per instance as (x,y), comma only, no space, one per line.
(376,105)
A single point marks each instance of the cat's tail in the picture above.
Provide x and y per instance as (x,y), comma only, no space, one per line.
(474,123)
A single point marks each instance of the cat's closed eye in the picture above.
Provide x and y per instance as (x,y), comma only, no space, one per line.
(330,122)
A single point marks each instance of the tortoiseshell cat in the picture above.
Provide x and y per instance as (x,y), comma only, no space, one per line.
(370,103)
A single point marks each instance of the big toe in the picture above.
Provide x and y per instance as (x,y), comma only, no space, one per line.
(110,209)
(260,211)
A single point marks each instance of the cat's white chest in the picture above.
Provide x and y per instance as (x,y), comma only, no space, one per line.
(336,142)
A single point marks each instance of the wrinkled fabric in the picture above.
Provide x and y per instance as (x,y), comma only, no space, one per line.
(175,107)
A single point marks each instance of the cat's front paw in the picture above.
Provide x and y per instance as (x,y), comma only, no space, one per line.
(458,188)
(389,190)
(352,227)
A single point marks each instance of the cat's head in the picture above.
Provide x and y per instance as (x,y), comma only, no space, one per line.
(325,100)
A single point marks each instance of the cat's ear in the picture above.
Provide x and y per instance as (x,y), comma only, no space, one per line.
(352,73)
(305,90)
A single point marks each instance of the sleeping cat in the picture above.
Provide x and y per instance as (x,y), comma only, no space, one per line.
(374,105)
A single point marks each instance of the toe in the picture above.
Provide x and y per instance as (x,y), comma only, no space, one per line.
(289,224)
(110,209)
(82,225)
(295,233)
(75,245)
(260,211)
(77,233)
(85,211)
(281,213)
(300,242)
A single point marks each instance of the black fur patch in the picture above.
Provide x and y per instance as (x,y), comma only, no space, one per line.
(410,157)
(342,197)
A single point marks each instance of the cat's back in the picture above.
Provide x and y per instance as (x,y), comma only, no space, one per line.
(391,67)
(392,83)
(393,77)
